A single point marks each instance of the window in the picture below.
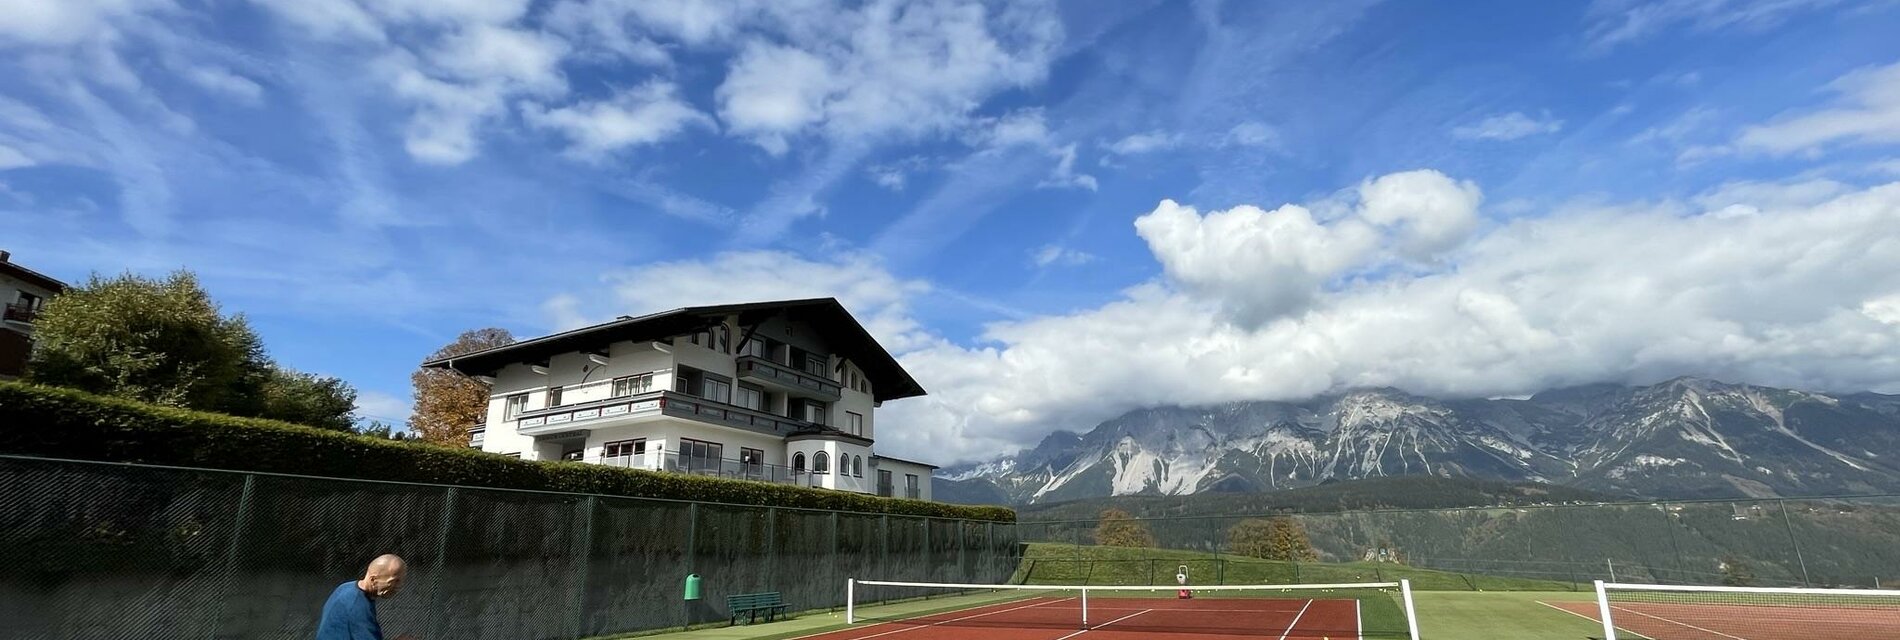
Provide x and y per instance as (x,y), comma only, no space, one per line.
(631,385)
(750,397)
(572,455)
(722,337)
(29,301)
(798,463)
(854,423)
(815,412)
(884,482)
(857,466)
(515,405)
(910,486)
(699,455)
(809,362)
(626,448)
(755,348)
(715,388)
(554,396)
(821,462)
(752,461)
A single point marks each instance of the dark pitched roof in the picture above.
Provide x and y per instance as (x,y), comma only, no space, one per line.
(847,338)
(920,464)
(36,278)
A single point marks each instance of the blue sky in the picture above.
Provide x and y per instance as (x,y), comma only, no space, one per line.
(1052,212)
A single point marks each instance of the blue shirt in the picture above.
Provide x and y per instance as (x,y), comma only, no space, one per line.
(349,614)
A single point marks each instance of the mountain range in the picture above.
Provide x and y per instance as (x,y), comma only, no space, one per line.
(1684,438)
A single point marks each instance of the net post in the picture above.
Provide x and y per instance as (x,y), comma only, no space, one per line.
(1085,607)
(850,600)
(1411,614)
(1603,611)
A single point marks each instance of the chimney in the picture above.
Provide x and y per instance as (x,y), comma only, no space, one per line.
(4,255)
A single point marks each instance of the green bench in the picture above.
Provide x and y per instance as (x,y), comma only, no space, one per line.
(751,605)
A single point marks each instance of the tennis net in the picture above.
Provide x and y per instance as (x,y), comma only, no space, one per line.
(1337,611)
(1675,612)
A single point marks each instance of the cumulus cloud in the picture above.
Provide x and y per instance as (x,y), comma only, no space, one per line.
(1866,110)
(1431,212)
(642,115)
(1509,126)
(1805,296)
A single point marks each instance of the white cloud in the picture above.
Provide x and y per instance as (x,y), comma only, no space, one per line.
(68,22)
(1801,297)
(896,175)
(11,158)
(1617,22)
(1064,175)
(1508,126)
(1058,255)
(876,297)
(1432,212)
(387,408)
(1755,197)
(1144,143)
(886,69)
(1253,134)
(328,19)
(223,81)
(643,115)
(1867,111)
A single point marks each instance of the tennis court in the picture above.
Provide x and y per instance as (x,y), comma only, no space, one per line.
(1014,612)
(1682,612)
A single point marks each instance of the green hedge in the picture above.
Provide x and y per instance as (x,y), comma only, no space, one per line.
(61,423)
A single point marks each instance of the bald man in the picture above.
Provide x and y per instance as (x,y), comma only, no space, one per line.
(350,613)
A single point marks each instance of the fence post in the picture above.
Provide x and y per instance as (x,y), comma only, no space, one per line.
(438,601)
(692,553)
(235,552)
(1670,521)
(836,567)
(1151,572)
(580,575)
(1796,544)
(771,548)
(962,541)
(928,552)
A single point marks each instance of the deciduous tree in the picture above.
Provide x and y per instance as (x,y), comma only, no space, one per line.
(1276,538)
(1118,529)
(447,403)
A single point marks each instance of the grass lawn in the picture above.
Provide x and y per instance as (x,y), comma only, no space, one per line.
(1503,615)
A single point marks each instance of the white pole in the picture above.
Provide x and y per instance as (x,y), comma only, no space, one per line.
(1411,614)
(850,600)
(1612,569)
(1603,609)
(1085,607)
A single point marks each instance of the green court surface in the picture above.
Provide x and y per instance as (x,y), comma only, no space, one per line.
(1442,615)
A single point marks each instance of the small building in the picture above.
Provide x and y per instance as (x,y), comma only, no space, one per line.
(24,292)
(781,392)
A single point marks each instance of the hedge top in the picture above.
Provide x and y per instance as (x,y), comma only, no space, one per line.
(62,423)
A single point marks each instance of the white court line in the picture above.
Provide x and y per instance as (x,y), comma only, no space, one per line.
(1599,622)
(979,615)
(1358,624)
(1296,620)
(1691,626)
(1104,624)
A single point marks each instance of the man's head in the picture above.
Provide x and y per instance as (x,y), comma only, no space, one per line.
(384,576)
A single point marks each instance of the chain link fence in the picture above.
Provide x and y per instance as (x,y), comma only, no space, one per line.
(1819,542)
(99,550)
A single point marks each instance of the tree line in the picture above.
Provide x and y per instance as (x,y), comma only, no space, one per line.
(165,341)
(1271,538)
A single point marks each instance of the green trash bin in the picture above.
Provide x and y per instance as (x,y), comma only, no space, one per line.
(692,586)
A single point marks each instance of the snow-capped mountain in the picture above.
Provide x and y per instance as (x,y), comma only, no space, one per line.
(1685,437)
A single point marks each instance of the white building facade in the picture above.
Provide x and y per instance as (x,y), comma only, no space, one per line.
(23,292)
(781,392)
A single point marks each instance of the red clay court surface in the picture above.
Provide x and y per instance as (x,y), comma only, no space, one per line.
(1678,621)
(1124,619)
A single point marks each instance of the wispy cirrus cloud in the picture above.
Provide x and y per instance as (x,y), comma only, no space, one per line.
(1508,126)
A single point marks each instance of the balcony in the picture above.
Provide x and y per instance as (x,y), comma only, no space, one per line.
(17,312)
(582,416)
(782,378)
(673,462)
(477,436)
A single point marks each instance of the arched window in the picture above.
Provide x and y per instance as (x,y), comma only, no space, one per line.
(722,337)
(798,463)
(820,462)
(857,466)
